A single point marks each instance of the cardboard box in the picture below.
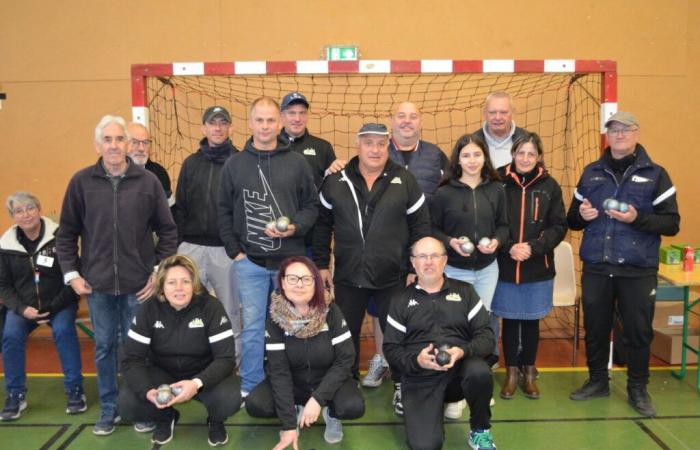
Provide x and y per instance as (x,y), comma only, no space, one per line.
(667,344)
(669,255)
(668,315)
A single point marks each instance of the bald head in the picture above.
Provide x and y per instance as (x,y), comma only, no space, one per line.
(406,126)
(139,143)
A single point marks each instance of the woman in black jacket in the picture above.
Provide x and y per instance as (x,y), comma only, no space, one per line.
(32,289)
(309,359)
(526,261)
(180,338)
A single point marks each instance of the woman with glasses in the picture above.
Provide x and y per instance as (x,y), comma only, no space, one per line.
(526,260)
(309,354)
(32,289)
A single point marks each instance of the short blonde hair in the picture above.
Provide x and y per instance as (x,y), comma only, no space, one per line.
(177,261)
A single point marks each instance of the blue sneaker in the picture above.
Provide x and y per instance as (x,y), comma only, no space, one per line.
(77,403)
(14,405)
(481,440)
(105,426)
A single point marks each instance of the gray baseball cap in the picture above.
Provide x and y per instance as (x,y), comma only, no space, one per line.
(373,128)
(625,118)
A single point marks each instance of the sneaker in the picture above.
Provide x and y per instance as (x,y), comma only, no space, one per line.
(377,371)
(396,400)
(591,389)
(481,440)
(14,405)
(334,428)
(217,433)
(638,398)
(492,403)
(244,394)
(163,432)
(454,410)
(105,426)
(144,427)
(77,403)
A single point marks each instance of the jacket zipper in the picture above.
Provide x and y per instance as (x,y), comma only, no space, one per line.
(37,276)
(115,239)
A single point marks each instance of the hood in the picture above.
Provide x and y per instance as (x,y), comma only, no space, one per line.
(9,241)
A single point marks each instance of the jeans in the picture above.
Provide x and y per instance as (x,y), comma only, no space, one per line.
(14,350)
(254,285)
(111,317)
(484,282)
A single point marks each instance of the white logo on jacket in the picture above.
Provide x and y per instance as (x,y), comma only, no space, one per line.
(223,320)
(158,324)
(309,151)
(638,179)
(196,323)
(396,180)
(412,302)
(453,297)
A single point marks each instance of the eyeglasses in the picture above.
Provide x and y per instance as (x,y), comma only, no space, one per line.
(306,280)
(625,131)
(145,142)
(29,209)
(428,257)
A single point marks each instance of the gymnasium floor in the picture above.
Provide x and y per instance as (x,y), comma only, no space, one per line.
(553,422)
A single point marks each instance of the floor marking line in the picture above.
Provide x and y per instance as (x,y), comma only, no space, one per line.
(652,435)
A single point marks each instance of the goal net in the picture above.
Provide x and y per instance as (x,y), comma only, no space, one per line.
(566,108)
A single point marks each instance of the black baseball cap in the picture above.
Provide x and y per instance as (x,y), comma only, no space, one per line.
(293,98)
(214,111)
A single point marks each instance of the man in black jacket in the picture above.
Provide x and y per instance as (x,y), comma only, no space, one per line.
(139,151)
(438,334)
(196,210)
(376,210)
(112,209)
(318,152)
(620,254)
(264,182)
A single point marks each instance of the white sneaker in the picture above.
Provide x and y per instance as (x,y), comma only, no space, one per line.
(454,410)
(334,428)
(377,371)
(492,403)
(396,400)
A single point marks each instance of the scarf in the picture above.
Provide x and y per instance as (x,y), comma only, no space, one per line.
(292,322)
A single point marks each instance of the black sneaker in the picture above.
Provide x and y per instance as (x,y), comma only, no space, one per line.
(164,430)
(638,398)
(591,389)
(217,433)
(396,400)
(77,403)
(14,405)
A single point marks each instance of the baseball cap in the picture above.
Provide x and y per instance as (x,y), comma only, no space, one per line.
(373,128)
(624,118)
(292,98)
(214,111)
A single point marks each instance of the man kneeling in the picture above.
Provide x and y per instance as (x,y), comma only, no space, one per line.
(438,335)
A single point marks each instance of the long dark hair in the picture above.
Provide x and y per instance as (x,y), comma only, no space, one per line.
(535,140)
(455,170)
(318,300)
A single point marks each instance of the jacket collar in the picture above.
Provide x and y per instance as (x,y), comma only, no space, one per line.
(9,240)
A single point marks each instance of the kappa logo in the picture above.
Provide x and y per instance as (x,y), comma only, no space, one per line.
(223,320)
(267,335)
(324,327)
(396,180)
(158,324)
(133,321)
(309,151)
(653,292)
(638,179)
(412,302)
(343,324)
(453,297)
(196,323)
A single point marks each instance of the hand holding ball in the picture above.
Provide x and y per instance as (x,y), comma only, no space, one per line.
(484,242)
(176,390)
(164,394)
(282,224)
(443,357)
(615,205)
(466,245)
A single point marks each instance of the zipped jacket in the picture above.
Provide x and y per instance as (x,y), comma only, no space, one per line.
(316,366)
(536,215)
(373,229)
(33,280)
(458,210)
(428,165)
(318,153)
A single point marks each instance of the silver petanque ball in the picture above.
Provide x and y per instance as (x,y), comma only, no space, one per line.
(271,225)
(164,394)
(484,241)
(623,207)
(612,204)
(176,390)
(282,224)
(466,246)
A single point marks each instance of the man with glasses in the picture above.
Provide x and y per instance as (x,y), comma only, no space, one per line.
(139,151)
(106,248)
(376,210)
(620,254)
(438,334)
(196,212)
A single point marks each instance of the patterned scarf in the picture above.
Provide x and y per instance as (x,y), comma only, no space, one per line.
(292,321)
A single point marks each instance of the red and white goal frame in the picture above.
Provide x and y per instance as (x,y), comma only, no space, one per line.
(606,68)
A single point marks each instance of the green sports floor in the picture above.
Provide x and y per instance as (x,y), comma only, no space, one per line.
(553,422)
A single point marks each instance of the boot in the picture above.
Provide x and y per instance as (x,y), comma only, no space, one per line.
(529,386)
(511,383)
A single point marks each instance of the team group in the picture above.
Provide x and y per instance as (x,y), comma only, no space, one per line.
(442,251)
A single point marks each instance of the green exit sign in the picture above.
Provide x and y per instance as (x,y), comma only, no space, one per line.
(342,53)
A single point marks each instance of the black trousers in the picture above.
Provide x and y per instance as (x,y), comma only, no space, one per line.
(353,303)
(520,341)
(423,402)
(347,403)
(633,299)
(221,401)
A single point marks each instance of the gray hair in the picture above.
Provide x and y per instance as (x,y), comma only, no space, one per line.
(107,120)
(21,198)
(430,238)
(499,94)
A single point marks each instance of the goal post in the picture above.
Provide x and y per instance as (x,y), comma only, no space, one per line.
(566,101)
